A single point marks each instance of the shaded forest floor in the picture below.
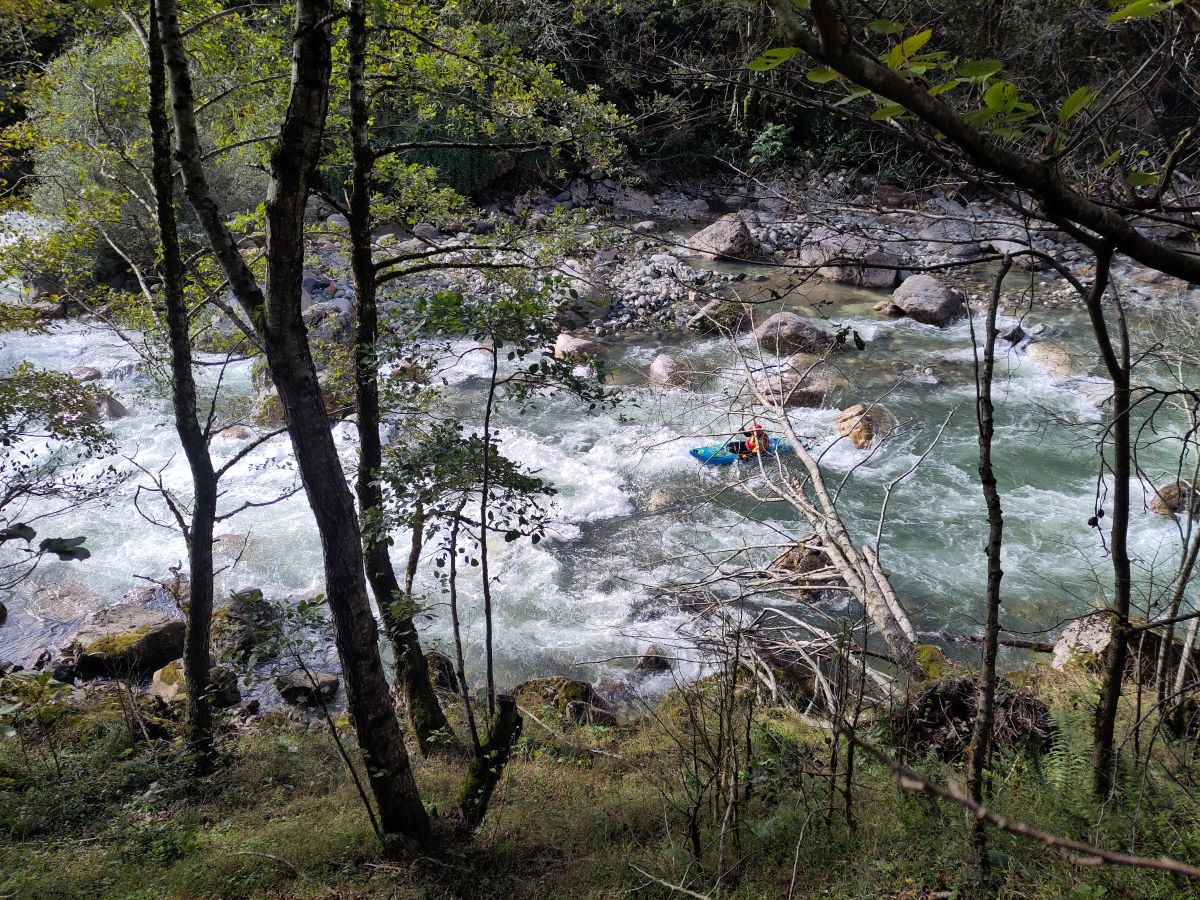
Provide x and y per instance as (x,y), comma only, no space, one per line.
(580,811)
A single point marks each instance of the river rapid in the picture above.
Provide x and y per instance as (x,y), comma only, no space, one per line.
(634,512)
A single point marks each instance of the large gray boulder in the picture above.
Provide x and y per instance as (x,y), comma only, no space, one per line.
(666,372)
(726,238)
(787,332)
(126,640)
(307,688)
(567,346)
(329,323)
(926,300)
(850,259)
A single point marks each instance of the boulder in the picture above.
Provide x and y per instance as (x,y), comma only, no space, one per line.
(720,316)
(335,221)
(926,300)
(653,660)
(665,372)
(801,560)
(648,226)
(307,688)
(168,685)
(86,373)
(65,601)
(1013,334)
(1019,250)
(126,640)
(809,387)
(1057,362)
(786,332)
(109,409)
(576,701)
(726,238)
(3,613)
(953,236)
(660,501)
(567,346)
(863,424)
(41,288)
(426,232)
(1177,497)
(441,671)
(889,309)
(1083,642)
(329,323)
(850,259)
(581,300)
(242,622)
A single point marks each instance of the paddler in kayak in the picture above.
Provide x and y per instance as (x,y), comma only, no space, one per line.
(756,442)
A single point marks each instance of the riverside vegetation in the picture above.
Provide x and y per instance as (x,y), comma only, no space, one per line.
(348,538)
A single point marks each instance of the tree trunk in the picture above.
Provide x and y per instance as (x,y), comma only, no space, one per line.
(488,763)
(985,707)
(1115,656)
(197,676)
(424,711)
(277,319)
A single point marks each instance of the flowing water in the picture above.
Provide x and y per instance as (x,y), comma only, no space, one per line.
(584,600)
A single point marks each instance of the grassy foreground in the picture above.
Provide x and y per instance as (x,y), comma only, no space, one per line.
(579,812)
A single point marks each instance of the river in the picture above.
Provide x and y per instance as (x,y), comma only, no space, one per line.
(586,601)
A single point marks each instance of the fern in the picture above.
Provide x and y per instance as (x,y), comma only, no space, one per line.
(1068,761)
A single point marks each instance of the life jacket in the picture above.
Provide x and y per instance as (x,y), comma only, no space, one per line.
(758,441)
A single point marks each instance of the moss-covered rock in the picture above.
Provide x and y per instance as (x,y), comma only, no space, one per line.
(169,686)
(126,641)
(576,701)
(441,671)
(241,623)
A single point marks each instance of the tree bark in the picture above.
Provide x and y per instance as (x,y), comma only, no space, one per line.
(199,535)
(487,765)
(424,711)
(985,707)
(1115,656)
(276,317)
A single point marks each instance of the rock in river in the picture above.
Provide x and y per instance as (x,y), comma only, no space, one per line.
(926,300)
(786,332)
(126,640)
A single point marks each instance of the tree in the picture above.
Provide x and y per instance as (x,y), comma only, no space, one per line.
(990,129)
(275,315)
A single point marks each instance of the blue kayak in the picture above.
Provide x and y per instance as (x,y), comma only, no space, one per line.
(721,455)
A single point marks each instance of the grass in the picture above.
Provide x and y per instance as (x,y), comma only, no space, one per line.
(578,809)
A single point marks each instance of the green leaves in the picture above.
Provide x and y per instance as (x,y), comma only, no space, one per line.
(1140,9)
(1075,103)
(979,70)
(821,76)
(907,48)
(777,56)
(1142,179)
(1001,96)
(891,111)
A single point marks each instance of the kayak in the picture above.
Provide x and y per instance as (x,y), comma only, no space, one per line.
(721,455)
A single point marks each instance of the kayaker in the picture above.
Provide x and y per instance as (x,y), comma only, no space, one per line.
(757,439)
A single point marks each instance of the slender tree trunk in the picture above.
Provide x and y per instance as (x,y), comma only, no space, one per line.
(196,673)
(483,774)
(1116,655)
(985,706)
(277,319)
(424,711)
(485,487)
